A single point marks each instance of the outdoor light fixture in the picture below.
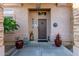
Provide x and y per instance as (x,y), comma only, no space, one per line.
(56,4)
(62,4)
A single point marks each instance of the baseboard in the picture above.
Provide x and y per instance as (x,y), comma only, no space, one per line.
(65,43)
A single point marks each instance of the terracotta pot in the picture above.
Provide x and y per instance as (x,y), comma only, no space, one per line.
(31,36)
(19,44)
(58,41)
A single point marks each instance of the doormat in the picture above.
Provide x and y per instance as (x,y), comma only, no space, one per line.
(42,40)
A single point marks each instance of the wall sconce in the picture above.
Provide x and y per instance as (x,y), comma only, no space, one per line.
(55,25)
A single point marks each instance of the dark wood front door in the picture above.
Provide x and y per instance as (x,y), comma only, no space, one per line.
(42,28)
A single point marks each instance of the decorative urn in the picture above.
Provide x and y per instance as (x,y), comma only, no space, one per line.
(58,41)
(19,44)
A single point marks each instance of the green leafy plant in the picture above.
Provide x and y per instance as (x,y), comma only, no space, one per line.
(10,24)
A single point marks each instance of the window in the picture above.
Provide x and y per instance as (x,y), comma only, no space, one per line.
(42,13)
(9,12)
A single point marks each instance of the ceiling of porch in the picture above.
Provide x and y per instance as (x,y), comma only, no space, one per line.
(37,4)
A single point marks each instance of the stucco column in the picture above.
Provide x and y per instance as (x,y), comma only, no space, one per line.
(76,29)
(1,32)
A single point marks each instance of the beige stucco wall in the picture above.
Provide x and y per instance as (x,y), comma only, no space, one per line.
(22,20)
(61,14)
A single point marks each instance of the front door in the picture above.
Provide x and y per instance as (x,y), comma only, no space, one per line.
(42,28)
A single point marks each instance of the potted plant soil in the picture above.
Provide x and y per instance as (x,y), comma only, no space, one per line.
(58,41)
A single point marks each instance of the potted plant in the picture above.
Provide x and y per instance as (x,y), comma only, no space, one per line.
(31,36)
(19,43)
(58,41)
(10,26)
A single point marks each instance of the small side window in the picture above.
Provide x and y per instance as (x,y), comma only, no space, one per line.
(9,12)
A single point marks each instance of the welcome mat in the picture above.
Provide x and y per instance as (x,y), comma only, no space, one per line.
(42,40)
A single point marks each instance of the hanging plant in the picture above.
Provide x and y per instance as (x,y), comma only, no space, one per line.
(10,24)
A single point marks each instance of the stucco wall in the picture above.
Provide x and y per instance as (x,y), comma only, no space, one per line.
(22,20)
(60,15)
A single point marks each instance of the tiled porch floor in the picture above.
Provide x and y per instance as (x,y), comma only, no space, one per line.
(43,49)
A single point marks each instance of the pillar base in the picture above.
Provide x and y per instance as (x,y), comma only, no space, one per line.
(75,51)
(2,51)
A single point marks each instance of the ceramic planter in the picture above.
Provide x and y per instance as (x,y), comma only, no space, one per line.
(58,41)
(19,44)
